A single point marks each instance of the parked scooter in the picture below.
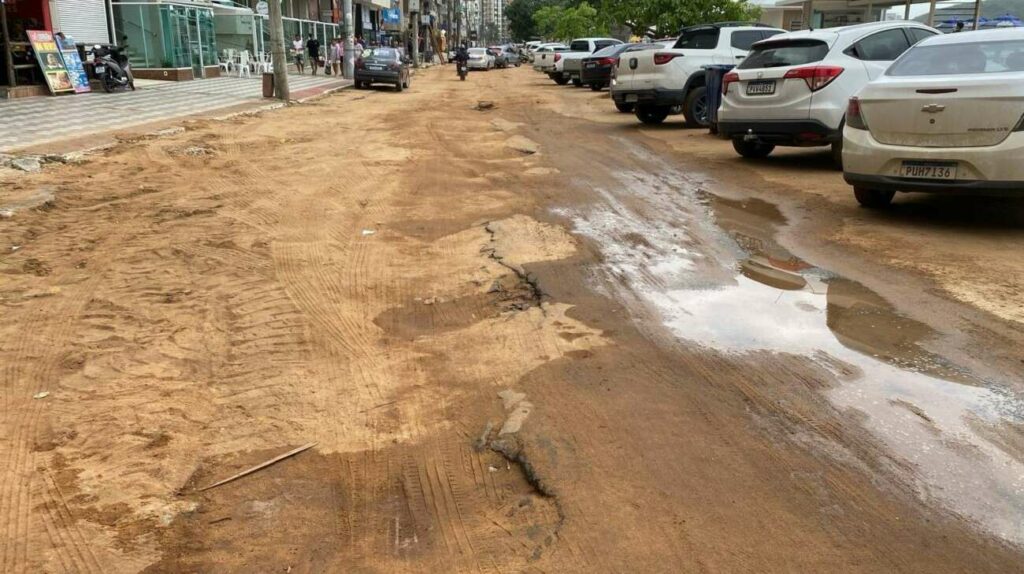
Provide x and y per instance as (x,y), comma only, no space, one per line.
(112,68)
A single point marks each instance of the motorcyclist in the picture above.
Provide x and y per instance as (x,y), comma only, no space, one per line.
(462,54)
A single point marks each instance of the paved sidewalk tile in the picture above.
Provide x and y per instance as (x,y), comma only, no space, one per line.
(31,121)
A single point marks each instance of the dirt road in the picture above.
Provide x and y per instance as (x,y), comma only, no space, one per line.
(536,337)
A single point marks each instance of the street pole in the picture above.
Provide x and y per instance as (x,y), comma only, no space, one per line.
(415,16)
(350,40)
(277,51)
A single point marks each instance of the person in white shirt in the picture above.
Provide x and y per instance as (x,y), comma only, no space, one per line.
(298,53)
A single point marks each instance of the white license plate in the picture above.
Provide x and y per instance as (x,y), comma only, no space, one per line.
(761,88)
(375,67)
(591,65)
(631,98)
(928,169)
(101,69)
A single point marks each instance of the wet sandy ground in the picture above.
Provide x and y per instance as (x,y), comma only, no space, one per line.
(534,338)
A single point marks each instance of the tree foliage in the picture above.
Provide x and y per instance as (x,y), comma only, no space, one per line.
(568,22)
(667,17)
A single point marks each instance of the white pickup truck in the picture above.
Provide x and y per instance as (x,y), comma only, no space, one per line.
(544,57)
(654,83)
(569,64)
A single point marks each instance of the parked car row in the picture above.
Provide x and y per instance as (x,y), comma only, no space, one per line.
(492,57)
(903,107)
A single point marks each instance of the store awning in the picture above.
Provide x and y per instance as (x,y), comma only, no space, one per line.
(821,5)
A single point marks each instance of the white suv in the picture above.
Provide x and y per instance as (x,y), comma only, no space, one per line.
(946,117)
(654,83)
(792,89)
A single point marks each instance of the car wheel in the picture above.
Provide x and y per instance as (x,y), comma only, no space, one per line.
(595,87)
(873,198)
(399,86)
(560,80)
(696,108)
(624,107)
(752,150)
(577,82)
(651,115)
(837,154)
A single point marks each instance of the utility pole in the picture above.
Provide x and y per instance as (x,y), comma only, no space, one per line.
(277,51)
(415,17)
(350,40)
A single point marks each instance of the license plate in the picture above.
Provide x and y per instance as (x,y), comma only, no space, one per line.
(929,169)
(375,67)
(631,98)
(101,69)
(761,88)
(591,65)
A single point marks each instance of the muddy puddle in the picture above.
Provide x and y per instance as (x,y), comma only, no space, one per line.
(711,270)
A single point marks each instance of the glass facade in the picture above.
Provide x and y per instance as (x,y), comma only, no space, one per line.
(167,35)
(182,34)
(324,31)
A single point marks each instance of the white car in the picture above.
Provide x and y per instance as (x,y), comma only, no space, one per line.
(658,82)
(480,59)
(793,88)
(948,116)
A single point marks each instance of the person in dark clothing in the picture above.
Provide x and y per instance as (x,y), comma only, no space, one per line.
(313,49)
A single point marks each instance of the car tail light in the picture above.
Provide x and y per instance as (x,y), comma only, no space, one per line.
(662,58)
(557,57)
(816,77)
(854,117)
(728,79)
(608,61)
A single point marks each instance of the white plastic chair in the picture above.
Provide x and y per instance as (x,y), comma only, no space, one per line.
(244,59)
(265,63)
(225,60)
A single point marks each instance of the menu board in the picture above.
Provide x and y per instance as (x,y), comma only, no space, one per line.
(73,64)
(50,61)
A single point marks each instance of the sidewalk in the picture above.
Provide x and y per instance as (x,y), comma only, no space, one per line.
(32,121)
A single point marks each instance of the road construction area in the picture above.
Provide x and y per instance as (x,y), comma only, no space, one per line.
(497,326)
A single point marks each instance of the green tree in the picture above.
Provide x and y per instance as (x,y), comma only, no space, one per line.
(519,14)
(546,21)
(667,17)
(579,22)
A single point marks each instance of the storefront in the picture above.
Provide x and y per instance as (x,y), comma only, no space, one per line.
(19,73)
(87,21)
(167,40)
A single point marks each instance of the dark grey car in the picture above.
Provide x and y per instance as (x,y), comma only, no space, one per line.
(382,66)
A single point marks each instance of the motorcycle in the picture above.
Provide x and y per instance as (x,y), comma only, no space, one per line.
(463,70)
(112,68)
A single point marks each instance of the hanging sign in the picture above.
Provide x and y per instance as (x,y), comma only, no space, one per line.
(49,58)
(262,8)
(73,64)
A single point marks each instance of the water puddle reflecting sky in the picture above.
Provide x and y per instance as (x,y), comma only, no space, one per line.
(712,270)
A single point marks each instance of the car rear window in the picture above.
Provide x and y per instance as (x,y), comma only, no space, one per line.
(743,39)
(961,58)
(699,39)
(580,46)
(380,54)
(779,53)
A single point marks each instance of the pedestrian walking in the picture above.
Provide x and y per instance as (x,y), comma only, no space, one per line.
(297,54)
(313,48)
(337,55)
